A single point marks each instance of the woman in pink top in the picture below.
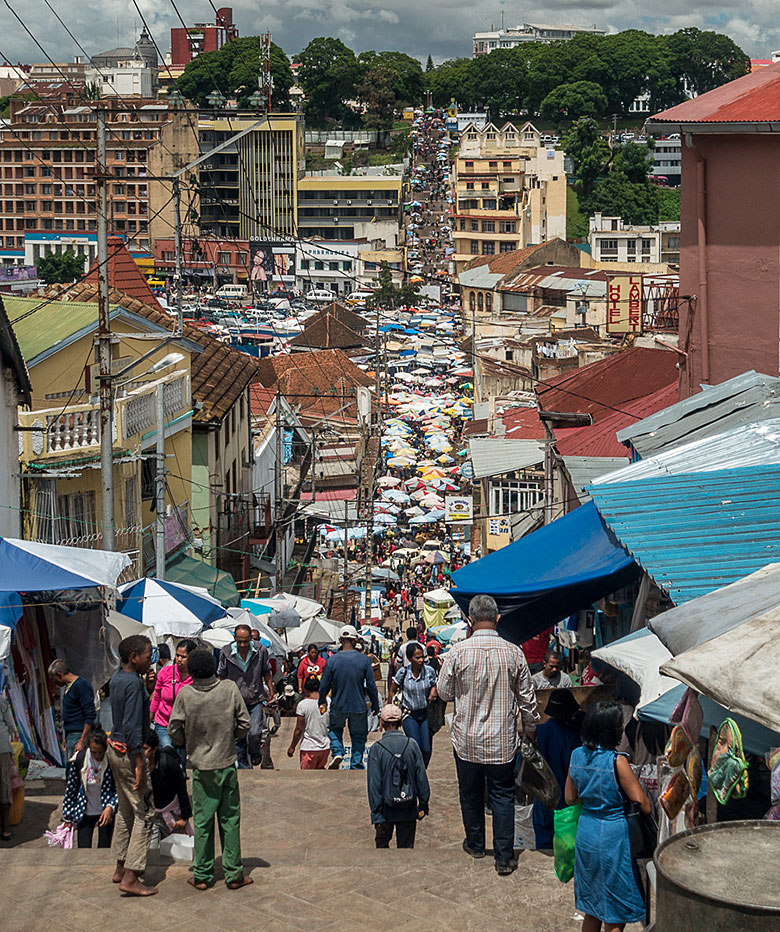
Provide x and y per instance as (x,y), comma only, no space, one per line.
(169,681)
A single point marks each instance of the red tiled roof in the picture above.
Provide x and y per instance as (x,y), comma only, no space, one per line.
(331,495)
(328,332)
(320,382)
(505,262)
(124,274)
(600,439)
(609,383)
(260,399)
(754,98)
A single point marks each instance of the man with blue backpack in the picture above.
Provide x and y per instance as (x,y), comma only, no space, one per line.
(398,788)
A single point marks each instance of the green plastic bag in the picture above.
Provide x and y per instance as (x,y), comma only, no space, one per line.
(566,821)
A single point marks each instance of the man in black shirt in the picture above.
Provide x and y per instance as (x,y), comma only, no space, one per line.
(78,706)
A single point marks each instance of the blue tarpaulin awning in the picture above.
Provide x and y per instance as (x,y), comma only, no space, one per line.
(544,577)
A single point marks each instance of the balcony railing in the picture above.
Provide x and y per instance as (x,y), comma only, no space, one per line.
(76,429)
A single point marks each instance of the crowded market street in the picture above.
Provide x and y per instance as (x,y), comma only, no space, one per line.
(309,847)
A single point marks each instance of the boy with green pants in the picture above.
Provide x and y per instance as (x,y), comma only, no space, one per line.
(208,717)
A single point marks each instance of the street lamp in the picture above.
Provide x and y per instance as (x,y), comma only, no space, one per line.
(175,98)
(216,99)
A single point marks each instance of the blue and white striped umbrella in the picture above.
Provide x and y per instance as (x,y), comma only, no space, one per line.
(169,608)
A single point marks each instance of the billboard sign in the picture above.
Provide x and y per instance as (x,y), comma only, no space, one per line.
(624,304)
(271,265)
(459,509)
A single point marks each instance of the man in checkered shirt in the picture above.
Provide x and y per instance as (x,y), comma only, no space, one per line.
(490,682)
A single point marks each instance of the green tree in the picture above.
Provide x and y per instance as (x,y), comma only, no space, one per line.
(668,203)
(233,70)
(452,81)
(616,196)
(376,92)
(587,148)
(705,60)
(328,75)
(495,82)
(429,64)
(569,102)
(387,295)
(406,72)
(634,161)
(60,268)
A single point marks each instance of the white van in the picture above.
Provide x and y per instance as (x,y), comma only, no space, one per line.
(232,292)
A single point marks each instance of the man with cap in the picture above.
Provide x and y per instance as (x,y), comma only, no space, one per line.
(348,676)
(395,749)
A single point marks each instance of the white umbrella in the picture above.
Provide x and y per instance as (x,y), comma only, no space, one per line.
(320,631)
(387,482)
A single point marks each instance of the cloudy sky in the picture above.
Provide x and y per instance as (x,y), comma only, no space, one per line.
(442,28)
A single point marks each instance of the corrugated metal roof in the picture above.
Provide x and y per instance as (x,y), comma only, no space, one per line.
(754,98)
(493,456)
(601,439)
(583,470)
(745,399)
(601,387)
(560,279)
(748,445)
(696,532)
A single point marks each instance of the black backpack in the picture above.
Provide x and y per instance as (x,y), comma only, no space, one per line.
(399,789)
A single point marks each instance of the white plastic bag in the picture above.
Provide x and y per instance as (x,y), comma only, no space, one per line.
(178,846)
(524,827)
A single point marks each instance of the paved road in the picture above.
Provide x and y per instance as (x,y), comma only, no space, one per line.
(309,847)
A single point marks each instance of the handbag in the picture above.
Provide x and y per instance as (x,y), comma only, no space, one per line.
(436,710)
(535,776)
(642,827)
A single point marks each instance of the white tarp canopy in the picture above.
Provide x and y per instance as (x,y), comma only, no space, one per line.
(739,669)
(639,656)
(715,613)
(242,616)
(319,631)
(438,597)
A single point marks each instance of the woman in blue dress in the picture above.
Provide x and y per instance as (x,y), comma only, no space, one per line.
(605,884)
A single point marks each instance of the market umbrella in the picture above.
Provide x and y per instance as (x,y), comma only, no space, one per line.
(169,608)
(435,558)
(387,482)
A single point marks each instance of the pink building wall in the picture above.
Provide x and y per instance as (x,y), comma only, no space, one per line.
(742,179)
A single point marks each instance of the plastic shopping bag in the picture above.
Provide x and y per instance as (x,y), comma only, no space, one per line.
(535,777)
(564,839)
(525,836)
(61,837)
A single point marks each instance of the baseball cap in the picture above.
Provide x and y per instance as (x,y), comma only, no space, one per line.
(348,631)
(391,713)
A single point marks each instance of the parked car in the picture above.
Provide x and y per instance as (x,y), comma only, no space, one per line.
(320,296)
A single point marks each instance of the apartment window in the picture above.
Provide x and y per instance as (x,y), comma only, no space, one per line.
(488,248)
(472,302)
(511,497)
(469,185)
(474,226)
(485,185)
(304,264)
(167,255)
(462,224)
(488,203)
(75,517)
(609,246)
(223,258)
(488,226)
(493,164)
(469,164)
(333,266)
(480,302)
(507,164)
(488,302)
(507,247)
(647,245)
(241,258)
(475,247)
(507,226)
(673,242)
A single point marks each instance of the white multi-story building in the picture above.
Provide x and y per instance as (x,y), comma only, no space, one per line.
(485,42)
(613,240)
(131,78)
(667,159)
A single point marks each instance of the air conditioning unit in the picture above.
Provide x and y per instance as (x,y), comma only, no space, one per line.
(349,203)
(335,202)
(370,203)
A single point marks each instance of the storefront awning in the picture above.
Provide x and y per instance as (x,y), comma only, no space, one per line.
(189,571)
(547,575)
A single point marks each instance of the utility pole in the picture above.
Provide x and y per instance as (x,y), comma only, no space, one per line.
(177,246)
(159,524)
(104,344)
(279,494)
